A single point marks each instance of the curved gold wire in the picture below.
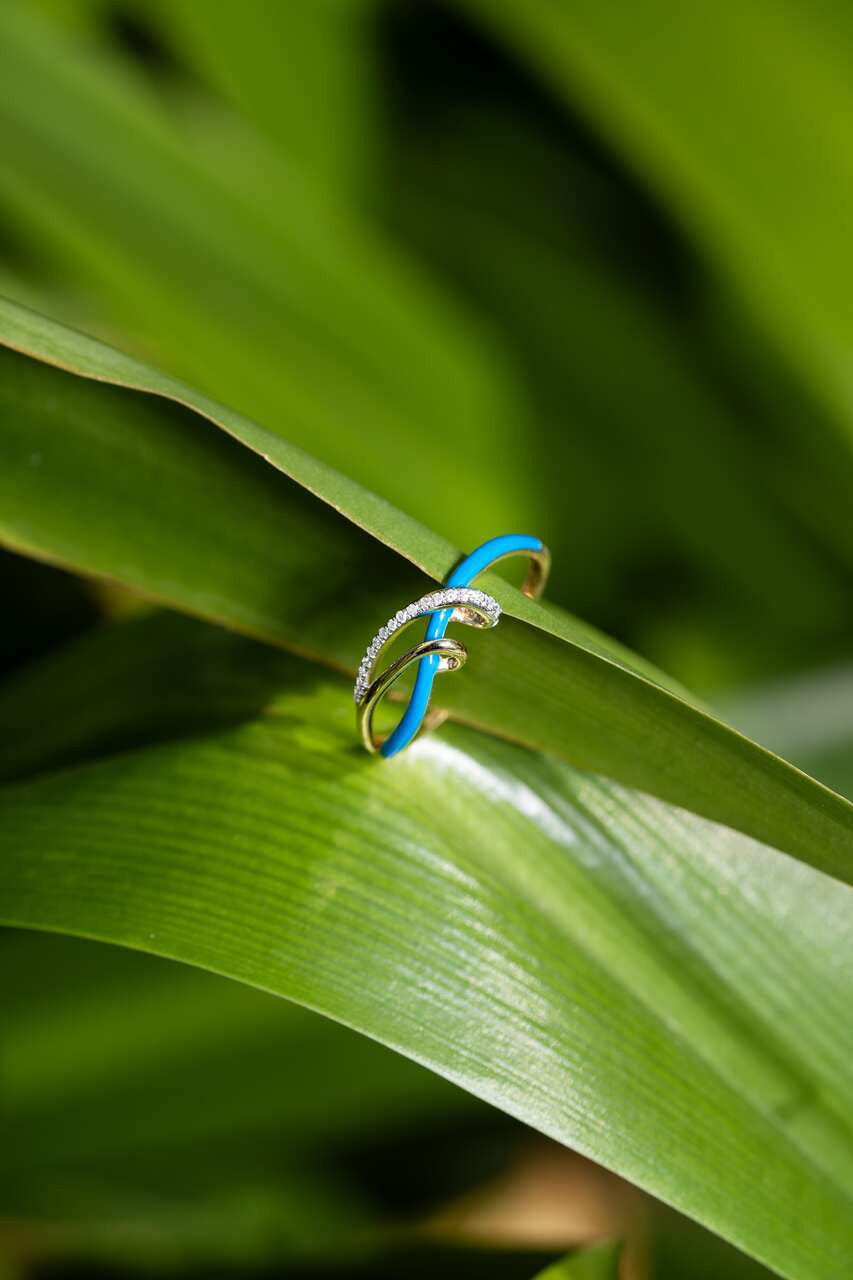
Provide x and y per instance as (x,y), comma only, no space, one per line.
(537,573)
(538,569)
(451,656)
(462,604)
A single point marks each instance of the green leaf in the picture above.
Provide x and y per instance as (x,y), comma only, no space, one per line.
(154,1113)
(300,71)
(296,1217)
(117,1061)
(113,689)
(668,449)
(675,1247)
(740,115)
(667,997)
(601,1262)
(237,274)
(102,480)
(809,719)
(183,228)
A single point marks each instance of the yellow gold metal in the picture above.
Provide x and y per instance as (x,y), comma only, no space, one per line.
(537,571)
(451,656)
(464,604)
(458,601)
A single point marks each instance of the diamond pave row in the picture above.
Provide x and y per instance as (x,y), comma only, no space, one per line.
(436,600)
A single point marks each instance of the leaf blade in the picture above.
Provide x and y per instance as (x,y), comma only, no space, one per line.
(754,164)
(604,968)
(600,1262)
(545,678)
(242,277)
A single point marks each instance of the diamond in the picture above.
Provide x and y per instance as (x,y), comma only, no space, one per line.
(446,598)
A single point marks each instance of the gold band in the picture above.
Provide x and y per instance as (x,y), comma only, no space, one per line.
(538,570)
(451,656)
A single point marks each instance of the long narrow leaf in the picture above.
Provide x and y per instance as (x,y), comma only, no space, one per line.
(241,277)
(300,71)
(131,487)
(660,993)
(111,1058)
(601,1262)
(740,114)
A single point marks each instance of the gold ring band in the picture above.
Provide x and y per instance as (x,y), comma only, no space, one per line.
(469,606)
(451,656)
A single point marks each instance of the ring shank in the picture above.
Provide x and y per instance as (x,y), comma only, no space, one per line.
(478,561)
(449,654)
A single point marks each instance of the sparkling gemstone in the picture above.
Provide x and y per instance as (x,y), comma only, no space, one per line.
(447,598)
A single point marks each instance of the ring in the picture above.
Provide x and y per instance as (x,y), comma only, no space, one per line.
(436,653)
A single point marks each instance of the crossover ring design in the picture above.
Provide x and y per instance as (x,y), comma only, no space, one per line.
(437,653)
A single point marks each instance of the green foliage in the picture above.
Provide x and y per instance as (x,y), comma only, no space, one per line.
(246,279)
(530,919)
(598,1263)
(779,72)
(270,578)
(395,277)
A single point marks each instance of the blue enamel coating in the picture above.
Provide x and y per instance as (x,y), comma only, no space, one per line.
(462,576)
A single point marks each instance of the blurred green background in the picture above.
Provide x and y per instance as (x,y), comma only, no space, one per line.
(584,274)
